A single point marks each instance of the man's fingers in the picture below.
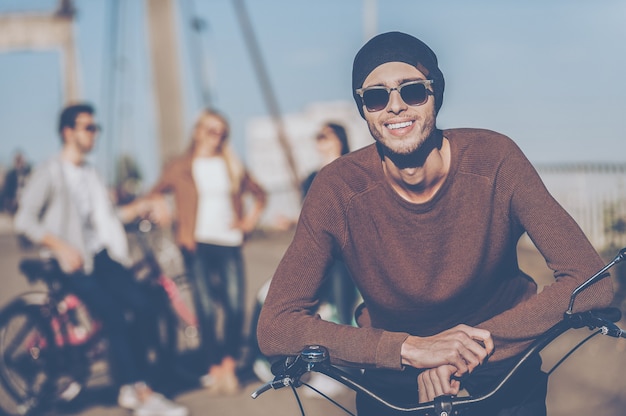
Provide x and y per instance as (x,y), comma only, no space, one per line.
(480,336)
(437,382)
(425,389)
(463,346)
(473,354)
(488,344)
(455,387)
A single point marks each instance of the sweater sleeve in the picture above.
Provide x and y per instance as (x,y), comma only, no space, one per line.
(258,193)
(567,251)
(288,321)
(163,184)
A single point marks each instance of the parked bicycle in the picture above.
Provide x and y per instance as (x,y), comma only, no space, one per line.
(51,347)
(289,371)
(161,267)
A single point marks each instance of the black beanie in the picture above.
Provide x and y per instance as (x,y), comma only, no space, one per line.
(396,47)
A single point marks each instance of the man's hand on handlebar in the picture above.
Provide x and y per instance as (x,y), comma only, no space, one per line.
(154,208)
(463,347)
(437,382)
(69,257)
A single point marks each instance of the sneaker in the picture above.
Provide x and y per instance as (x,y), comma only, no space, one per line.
(230,384)
(207,381)
(70,392)
(226,385)
(128,397)
(157,405)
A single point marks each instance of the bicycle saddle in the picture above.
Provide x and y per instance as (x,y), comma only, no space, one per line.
(35,269)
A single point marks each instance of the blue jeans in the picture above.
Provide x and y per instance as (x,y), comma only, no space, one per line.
(217,275)
(109,293)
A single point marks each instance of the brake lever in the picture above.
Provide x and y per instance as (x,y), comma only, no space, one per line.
(278,383)
(287,373)
(612,330)
(606,326)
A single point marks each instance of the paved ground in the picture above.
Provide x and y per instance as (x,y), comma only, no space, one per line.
(590,382)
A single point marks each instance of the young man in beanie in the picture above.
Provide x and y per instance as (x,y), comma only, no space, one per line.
(428,223)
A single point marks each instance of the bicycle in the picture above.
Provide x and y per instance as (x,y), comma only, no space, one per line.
(288,372)
(160,265)
(51,347)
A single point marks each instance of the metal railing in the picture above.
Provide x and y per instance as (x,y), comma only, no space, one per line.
(595,195)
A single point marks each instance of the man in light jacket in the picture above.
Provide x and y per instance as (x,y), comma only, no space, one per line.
(66,208)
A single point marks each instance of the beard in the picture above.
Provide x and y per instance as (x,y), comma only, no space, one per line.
(410,151)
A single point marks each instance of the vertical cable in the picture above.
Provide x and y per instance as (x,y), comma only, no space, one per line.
(108,87)
(194,28)
(267,90)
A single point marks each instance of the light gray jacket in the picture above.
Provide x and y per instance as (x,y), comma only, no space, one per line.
(46,207)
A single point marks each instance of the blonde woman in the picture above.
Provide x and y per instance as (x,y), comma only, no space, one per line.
(209,183)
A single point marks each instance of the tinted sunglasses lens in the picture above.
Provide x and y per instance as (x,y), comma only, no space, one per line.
(375,99)
(414,94)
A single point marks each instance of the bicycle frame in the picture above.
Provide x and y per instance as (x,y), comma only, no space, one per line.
(72,324)
(315,358)
(68,317)
(156,274)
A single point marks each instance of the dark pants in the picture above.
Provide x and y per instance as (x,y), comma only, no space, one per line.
(112,295)
(217,275)
(525,395)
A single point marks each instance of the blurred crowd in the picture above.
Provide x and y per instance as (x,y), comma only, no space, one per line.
(209,201)
(13,183)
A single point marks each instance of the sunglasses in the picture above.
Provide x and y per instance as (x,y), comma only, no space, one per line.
(91,128)
(376,98)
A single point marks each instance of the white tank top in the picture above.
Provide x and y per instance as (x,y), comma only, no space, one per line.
(216,216)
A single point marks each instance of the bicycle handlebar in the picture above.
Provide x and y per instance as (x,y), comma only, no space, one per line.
(289,371)
(316,358)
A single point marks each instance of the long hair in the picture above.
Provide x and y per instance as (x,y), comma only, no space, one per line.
(341,134)
(234,165)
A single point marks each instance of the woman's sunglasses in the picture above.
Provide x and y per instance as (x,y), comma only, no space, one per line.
(376,98)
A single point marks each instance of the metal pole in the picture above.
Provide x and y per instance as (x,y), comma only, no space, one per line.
(164,53)
(268,92)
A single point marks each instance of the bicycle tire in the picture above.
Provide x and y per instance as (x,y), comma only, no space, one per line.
(28,364)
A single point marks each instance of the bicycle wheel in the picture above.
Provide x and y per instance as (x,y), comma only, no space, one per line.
(27,359)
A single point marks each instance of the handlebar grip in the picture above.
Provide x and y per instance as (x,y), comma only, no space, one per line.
(604,319)
(610,314)
(613,330)
(37,268)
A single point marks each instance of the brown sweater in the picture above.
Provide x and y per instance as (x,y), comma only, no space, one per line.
(424,268)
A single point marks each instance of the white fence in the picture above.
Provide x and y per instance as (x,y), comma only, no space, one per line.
(595,195)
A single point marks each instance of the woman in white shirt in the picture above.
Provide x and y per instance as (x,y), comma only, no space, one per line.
(209,183)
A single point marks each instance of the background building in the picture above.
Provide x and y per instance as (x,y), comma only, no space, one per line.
(267,160)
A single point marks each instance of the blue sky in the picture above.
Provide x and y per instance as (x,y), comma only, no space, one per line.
(550,74)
